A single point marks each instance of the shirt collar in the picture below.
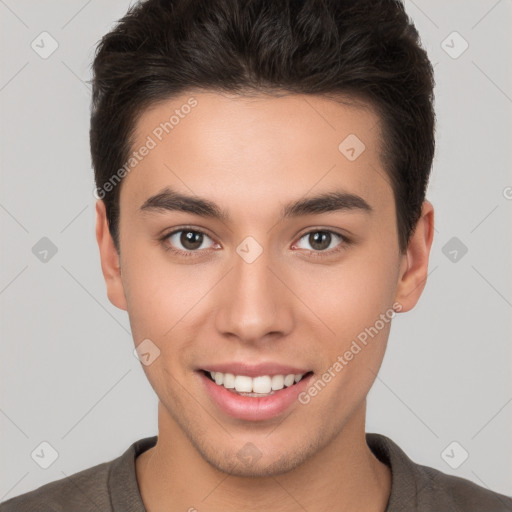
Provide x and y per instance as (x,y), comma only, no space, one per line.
(122,481)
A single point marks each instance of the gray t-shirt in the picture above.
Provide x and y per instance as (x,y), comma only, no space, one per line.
(112,487)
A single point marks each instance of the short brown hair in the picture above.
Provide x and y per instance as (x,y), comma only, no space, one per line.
(364,49)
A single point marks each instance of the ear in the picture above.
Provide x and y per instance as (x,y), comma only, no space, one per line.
(110,259)
(414,264)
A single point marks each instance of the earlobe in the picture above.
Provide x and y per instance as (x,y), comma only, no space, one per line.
(110,259)
(414,265)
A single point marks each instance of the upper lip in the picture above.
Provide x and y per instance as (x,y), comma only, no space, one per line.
(254,370)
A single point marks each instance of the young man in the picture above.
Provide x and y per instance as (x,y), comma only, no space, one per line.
(261,170)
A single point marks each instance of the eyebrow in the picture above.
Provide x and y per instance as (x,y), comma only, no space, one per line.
(170,200)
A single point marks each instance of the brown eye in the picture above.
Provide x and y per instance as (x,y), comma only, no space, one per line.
(191,240)
(183,241)
(321,240)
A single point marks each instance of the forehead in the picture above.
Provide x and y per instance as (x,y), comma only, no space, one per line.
(224,146)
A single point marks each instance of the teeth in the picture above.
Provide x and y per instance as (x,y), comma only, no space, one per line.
(229,381)
(242,383)
(289,380)
(263,384)
(277,382)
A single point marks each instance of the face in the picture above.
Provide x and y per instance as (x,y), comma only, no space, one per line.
(266,278)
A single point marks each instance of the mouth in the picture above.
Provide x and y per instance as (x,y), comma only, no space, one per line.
(259,386)
(259,396)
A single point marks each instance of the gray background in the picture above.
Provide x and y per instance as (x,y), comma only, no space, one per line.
(67,369)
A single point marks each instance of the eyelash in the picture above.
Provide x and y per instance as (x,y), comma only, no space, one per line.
(315,254)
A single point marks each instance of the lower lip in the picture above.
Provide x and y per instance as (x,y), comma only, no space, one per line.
(253,408)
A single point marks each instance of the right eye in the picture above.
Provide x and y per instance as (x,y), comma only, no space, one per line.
(190,240)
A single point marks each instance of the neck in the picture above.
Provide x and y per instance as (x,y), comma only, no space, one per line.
(342,476)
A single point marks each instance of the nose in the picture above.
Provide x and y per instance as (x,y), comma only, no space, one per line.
(253,303)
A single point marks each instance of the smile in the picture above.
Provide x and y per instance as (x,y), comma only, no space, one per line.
(262,395)
(262,385)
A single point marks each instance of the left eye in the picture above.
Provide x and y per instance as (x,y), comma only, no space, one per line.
(320,240)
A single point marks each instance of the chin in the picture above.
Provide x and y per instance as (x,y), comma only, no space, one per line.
(249,461)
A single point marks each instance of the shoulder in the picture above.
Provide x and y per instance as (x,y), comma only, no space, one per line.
(416,487)
(86,490)
(104,487)
(462,494)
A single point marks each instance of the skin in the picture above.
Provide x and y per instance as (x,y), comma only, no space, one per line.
(250,156)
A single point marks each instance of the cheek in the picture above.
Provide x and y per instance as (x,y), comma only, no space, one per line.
(351,360)
(356,305)
(352,295)
(158,293)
